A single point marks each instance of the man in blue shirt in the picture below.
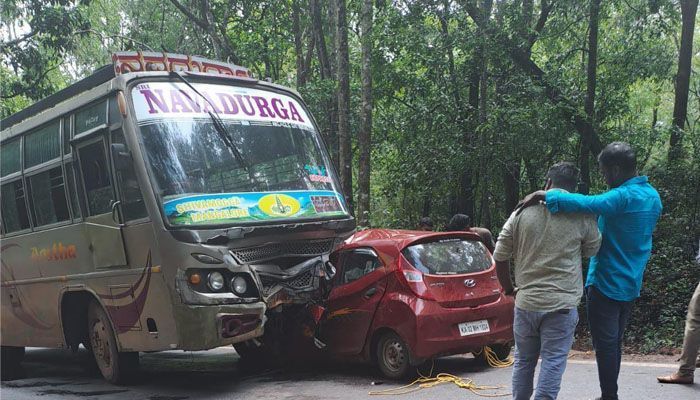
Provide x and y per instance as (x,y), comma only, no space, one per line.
(627,217)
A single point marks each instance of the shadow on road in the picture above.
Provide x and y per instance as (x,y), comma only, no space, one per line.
(218,370)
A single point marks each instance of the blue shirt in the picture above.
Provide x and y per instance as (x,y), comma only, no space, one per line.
(627,217)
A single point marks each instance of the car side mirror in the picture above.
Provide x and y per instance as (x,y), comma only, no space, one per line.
(330,270)
(121,156)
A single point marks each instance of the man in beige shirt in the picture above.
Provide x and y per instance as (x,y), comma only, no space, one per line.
(547,249)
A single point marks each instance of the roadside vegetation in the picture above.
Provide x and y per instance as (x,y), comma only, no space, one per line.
(435,107)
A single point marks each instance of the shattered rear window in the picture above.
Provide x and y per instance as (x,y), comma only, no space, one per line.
(448,257)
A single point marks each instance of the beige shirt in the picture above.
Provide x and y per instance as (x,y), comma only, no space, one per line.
(547,249)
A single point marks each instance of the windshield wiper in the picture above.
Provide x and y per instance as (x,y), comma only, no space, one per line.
(219,128)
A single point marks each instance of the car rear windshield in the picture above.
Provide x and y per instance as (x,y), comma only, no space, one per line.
(448,257)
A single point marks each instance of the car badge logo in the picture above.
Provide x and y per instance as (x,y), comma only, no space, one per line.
(469,282)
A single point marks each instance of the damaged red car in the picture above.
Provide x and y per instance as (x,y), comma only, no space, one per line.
(401,298)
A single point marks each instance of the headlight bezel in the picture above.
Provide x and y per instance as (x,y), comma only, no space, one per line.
(215,281)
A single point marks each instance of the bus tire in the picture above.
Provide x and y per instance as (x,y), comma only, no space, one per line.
(116,367)
(11,361)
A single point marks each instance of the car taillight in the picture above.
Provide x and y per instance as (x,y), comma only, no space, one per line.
(413,279)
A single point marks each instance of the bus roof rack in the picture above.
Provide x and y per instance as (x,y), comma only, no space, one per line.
(124,62)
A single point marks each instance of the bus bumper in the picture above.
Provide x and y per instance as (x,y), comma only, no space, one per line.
(207,327)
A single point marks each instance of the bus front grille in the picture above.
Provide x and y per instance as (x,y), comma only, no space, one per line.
(269,251)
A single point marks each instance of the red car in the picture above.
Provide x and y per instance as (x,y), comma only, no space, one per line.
(401,298)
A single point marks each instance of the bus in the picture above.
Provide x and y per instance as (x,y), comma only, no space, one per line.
(164,202)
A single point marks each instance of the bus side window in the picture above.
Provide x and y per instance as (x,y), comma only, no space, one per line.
(14,209)
(95,171)
(48,197)
(73,190)
(130,195)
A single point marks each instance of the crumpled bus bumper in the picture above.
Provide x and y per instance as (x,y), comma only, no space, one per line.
(210,326)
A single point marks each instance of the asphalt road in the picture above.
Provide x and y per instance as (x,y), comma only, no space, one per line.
(219,374)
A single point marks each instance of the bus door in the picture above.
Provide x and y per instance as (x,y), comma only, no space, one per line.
(137,228)
(101,221)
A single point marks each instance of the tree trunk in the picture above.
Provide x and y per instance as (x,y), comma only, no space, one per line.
(343,71)
(326,73)
(485,206)
(511,184)
(364,138)
(589,104)
(689,9)
(298,47)
(320,39)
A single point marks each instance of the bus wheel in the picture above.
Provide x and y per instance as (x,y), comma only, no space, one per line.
(11,362)
(116,367)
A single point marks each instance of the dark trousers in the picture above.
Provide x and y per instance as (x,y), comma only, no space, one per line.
(607,319)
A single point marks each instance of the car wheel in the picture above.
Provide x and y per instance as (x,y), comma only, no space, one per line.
(392,356)
(116,367)
(249,351)
(502,352)
(11,361)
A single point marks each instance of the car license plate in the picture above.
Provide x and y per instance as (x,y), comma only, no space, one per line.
(472,328)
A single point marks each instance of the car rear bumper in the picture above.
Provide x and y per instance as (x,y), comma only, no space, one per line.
(437,331)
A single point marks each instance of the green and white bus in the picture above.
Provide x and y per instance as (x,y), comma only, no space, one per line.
(164,202)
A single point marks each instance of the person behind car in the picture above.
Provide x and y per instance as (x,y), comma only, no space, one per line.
(462,223)
(547,250)
(691,341)
(425,224)
(628,213)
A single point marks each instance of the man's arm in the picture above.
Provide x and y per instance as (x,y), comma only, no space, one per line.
(608,203)
(591,240)
(502,255)
(503,273)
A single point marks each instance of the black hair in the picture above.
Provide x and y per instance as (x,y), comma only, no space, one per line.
(459,222)
(564,175)
(618,154)
(426,221)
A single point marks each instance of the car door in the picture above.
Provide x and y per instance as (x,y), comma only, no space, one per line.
(361,284)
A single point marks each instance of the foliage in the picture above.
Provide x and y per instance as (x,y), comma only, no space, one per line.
(437,113)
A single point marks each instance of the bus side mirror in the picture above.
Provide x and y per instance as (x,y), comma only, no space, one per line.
(121,156)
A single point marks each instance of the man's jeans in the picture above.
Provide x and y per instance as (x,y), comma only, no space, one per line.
(546,334)
(691,341)
(607,319)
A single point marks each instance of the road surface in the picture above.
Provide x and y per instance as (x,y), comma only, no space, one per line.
(219,374)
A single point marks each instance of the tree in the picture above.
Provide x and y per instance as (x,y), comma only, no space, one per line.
(689,9)
(201,13)
(520,54)
(364,137)
(39,35)
(343,73)
(589,103)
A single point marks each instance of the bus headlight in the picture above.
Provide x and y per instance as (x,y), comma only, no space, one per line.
(239,285)
(215,281)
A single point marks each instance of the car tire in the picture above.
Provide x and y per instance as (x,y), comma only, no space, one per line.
(116,367)
(11,360)
(502,352)
(250,352)
(393,357)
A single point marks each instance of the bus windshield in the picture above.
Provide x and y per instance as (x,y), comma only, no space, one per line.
(264,163)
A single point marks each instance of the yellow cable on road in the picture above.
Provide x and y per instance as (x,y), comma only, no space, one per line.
(493,360)
(426,382)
